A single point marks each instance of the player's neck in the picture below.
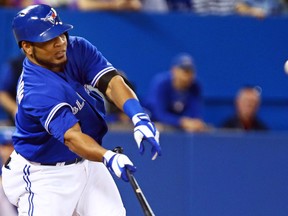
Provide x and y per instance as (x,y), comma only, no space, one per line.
(48,65)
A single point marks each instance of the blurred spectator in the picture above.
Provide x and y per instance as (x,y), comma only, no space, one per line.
(284,4)
(174,98)
(247,102)
(10,72)
(6,147)
(9,75)
(180,5)
(6,208)
(110,5)
(261,8)
(214,7)
(53,3)
(85,5)
(155,6)
(3,3)
(203,7)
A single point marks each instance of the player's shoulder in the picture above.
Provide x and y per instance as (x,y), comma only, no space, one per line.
(41,85)
(75,39)
(80,46)
(41,96)
(78,41)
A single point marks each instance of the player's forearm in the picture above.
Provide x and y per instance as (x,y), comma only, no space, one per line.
(119,92)
(83,145)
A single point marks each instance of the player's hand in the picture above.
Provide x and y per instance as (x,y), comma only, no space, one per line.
(145,130)
(117,164)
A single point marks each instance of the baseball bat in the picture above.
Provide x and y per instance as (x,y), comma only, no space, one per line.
(147,210)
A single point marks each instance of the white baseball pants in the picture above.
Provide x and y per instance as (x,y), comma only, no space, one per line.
(83,189)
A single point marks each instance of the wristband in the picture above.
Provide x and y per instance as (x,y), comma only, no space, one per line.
(131,107)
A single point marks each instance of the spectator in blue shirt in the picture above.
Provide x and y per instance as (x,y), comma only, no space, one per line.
(175,96)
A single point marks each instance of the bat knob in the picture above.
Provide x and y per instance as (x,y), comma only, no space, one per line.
(118,150)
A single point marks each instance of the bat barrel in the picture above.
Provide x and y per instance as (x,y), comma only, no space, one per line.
(136,188)
(140,196)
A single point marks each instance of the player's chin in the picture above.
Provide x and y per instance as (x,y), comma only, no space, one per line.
(60,61)
(61,57)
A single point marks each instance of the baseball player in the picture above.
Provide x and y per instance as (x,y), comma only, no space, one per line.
(59,167)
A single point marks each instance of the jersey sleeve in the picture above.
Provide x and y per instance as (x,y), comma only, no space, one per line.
(91,63)
(61,122)
(55,116)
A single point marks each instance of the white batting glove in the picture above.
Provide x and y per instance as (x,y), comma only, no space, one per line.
(117,164)
(145,130)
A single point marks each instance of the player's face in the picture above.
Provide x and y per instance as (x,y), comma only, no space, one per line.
(51,54)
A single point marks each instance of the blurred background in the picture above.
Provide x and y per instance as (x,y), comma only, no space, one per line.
(218,172)
(229,52)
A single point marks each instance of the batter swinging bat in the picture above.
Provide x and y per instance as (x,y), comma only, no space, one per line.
(136,188)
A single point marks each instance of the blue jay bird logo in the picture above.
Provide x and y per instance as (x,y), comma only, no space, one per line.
(51,16)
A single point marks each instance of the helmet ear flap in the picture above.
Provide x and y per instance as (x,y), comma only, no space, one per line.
(20,44)
(67,35)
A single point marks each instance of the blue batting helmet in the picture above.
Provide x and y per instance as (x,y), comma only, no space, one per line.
(38,23)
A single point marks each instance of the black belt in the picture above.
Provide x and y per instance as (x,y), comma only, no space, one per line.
(75,161)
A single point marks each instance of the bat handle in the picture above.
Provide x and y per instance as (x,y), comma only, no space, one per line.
(118,150)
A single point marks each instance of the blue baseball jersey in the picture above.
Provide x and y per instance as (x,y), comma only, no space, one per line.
(49,103)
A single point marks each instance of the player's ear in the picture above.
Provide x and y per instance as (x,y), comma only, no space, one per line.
(27,47)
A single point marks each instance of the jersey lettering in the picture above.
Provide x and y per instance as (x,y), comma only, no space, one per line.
(20,89)
(79,107)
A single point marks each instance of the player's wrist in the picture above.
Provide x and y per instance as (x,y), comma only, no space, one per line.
(132,107)
(140,117)
(107,156)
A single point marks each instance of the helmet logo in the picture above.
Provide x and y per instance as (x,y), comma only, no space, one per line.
(51,16)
